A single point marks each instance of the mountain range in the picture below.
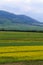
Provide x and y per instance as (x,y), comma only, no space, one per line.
(10,21)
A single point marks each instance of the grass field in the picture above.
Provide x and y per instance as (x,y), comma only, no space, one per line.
(20,46)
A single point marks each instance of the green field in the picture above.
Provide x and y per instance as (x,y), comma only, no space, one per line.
(20,38)
(20,46)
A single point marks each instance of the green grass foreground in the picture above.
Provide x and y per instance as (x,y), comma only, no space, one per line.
(5,60)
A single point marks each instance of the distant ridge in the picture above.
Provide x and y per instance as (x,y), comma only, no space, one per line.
(10,21)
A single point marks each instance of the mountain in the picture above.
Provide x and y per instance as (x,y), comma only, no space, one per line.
(10,21)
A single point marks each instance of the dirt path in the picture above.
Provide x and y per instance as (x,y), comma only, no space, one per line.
(26,63)
(19,63)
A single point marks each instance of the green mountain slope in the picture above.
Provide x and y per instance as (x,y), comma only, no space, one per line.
(9,21)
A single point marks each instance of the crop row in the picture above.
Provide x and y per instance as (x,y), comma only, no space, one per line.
(22,52)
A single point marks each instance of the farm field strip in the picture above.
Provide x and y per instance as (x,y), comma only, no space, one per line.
(22,52)
(12,37)
(23,43)
(20,46)
(29,40)
(20,35)
(20,41)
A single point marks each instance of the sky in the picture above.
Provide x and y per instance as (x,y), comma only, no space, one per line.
(32,8)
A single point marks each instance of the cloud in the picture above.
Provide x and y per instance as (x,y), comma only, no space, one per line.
(38,1)
(37,6)
(17,6)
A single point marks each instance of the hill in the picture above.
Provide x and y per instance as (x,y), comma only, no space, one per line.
(10,21)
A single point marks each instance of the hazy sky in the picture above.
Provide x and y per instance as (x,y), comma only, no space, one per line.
(32,8)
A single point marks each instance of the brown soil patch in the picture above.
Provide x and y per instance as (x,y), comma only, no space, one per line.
(17,63)
(25,63)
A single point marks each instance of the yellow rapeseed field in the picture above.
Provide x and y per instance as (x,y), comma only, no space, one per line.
(25,52)
(21,48)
